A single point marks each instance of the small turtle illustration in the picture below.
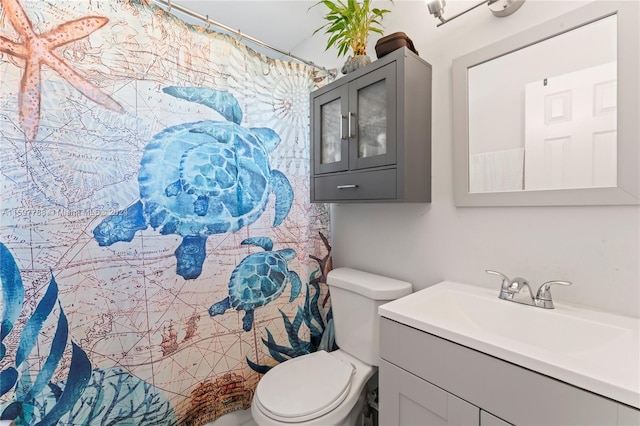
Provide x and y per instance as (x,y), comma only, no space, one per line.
(202,178)
(257,280)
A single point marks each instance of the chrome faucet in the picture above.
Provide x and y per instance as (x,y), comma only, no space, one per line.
(518,290)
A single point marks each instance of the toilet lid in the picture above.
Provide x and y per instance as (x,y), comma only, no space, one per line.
(308,386)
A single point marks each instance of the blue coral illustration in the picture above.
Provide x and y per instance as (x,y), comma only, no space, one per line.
(259,279)
(202,178)
(87,396)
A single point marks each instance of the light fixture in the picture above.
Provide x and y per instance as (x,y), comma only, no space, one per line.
(499,8)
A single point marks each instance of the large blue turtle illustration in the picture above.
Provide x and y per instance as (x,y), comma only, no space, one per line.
(257,280)
(202,178)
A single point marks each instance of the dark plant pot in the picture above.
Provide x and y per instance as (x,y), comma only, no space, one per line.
(355,62)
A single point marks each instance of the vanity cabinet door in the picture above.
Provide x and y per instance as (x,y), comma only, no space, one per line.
(487,419)
(407,400)
(628,416)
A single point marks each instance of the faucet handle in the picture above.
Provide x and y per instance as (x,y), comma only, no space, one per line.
(543,297)
(505,279)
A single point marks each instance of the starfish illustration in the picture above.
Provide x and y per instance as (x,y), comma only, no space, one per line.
(38,49)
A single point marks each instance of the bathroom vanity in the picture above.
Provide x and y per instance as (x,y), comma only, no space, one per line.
(443,361)
(371,133)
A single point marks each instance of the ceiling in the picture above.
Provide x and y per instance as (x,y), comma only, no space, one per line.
(280,23)
(289,24)
(283,24)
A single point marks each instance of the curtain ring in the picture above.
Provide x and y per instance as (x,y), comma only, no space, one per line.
(208,23)
(169,4)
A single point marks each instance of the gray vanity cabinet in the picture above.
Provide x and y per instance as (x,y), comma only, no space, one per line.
(371,133)
(426,380)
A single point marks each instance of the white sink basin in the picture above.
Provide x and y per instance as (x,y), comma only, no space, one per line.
(593,350)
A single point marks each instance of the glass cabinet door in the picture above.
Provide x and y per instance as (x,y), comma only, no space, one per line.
(372,119)
(330,134)
(330,131)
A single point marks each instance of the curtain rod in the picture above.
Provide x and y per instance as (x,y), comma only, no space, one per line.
(171,5)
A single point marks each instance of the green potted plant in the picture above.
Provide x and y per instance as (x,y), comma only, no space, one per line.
(349,23)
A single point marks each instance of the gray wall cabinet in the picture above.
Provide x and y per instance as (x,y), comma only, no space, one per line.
(371,133)
(426,380)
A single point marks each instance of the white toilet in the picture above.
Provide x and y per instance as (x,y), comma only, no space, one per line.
(329,388)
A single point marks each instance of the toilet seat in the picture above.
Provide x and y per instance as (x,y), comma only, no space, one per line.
(304,388)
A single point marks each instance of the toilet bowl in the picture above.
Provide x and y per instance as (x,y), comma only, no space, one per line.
(334,391)
(329,388)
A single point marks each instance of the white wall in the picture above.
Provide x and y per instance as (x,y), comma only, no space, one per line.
(598,248)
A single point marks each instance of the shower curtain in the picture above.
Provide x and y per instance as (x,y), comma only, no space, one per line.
(158,251)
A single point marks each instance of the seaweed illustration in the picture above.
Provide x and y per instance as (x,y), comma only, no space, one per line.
(87,396)
(12,298)
(321,335)
(23,408)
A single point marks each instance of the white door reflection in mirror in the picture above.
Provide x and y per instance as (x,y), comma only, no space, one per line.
(570,130)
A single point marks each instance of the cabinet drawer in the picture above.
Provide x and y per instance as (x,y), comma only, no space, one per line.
(361,186)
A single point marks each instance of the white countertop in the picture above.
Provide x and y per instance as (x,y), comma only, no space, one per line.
(593,350)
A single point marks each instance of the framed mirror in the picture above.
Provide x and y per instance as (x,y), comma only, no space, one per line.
(551,116)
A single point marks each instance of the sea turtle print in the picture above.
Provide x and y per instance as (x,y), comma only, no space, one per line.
(202,178)
(257,280)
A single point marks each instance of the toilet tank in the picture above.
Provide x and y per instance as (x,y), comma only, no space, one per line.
(355,297)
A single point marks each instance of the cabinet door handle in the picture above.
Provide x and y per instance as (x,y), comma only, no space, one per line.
(342,136)
(351,116)
(346,186)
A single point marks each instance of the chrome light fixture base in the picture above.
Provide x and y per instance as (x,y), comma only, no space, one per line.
(499,8)
(502,8)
